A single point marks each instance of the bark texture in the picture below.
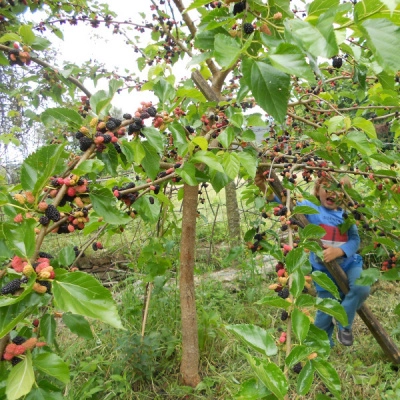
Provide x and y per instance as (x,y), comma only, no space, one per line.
(190,342)
(232,212)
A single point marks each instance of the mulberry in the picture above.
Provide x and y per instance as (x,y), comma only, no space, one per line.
(144,115)
(284,293)
(11,287)
(42,254)
(15,361)
(152,111)
(111,125)
(19,340)
(46,284)
(107,138)
(43,220)
(85,143)
(248,28)
(239,7)
(52,213)
(94,246)
(127,116)
(297,368)
(284,315)
(337,62)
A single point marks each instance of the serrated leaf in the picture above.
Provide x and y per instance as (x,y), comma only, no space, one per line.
(100,102)
(312,231)
(82,294)
(381,34)
(164,91)
(37,169)
(188,174)
(275,302)
(271,376)
(151,160)
(66,256)
(300,324)
(298,282)
(366,126)
(307,210)
(26,32)
(149,212)
(21,379)
(290,59)
(154,137)
(329,376)
(208,158)
(78,324)
(48,328)
(57,115)
(21,237)
(104,203)
(40,44)
(305,379)
(231,165)
(10,37)
(359,141)
(248,162)
(325,282)
(269,86)
(295,259)
(51,364)
(201,142)
(255,337)
(297,354)
(226,137)
(227,50)
(252,389)
(332,307)
(89,166)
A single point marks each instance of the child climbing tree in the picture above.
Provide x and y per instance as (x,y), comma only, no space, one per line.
(326,75)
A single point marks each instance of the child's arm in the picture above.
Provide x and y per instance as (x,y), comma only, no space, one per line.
(259,180)
(348,249)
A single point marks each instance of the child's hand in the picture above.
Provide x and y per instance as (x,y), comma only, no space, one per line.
(259,180)
(332,253)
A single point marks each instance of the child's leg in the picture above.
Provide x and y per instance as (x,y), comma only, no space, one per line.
(357,294)
(322,320)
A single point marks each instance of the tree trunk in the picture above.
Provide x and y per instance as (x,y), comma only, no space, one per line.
(190,340)
(232,212)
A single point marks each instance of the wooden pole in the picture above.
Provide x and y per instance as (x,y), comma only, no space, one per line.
(382,337)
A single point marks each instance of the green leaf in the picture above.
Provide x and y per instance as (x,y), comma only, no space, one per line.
(269,86)
(104,203)
(192,93)
(164,91)
(78,325)
(307,37)
(51,364)
(318,7)
(21,379)
(231,164)
(66,256)
(226,137)
(37,169)
(252,389)
(300,324)
(275,302)
(21,237)
(188,174)
(325,282)
(255,337)
(366,126)
(368,277)
(40,44)
(89,166)
(298,282)
(201,142)
(179,136)
(155,138)
(208,158)
(248,162)
(248,135)
(295,259)
(290,59)
(218,180)
(10,37)
(359,141)
(14,313)
(48,328)
(196,4)
(149,212)
(3,59)
(227,50)
(312,231)
(332,307)
(381,34)
(26,32)
(329,376)
(56,115)
(151,160)
(82,294)
(297,354)
(271,376)
(100,102)
(305,379)
(109,160)
(43,394)
(304,210)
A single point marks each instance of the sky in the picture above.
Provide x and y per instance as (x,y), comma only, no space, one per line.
(82,43)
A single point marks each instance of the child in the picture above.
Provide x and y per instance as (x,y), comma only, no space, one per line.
(338,246)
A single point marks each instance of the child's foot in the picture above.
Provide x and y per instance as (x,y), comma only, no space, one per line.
(345,336)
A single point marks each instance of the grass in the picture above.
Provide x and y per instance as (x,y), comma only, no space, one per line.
(119,365)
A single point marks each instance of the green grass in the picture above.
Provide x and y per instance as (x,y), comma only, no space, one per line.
(119,365)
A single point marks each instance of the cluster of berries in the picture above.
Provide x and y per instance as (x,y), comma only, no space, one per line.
(18,346)
(97,246)
(389,263)
(127,198)
(18,56)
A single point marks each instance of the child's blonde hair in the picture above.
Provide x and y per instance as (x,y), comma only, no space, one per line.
(344,181)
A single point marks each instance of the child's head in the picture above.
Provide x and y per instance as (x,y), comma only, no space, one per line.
(328,192)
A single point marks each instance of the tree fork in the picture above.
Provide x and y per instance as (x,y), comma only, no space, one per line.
(375,327)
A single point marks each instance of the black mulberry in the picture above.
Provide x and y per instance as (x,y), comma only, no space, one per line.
(85,143)
(43,220)
(42,254)
(11,287)
(19,340)
(239,7)
(107,138)
(248,28)
(52,213)
(127,116)
(297,368)
(152,111)
(284,293)
(337,62)
(284,315)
